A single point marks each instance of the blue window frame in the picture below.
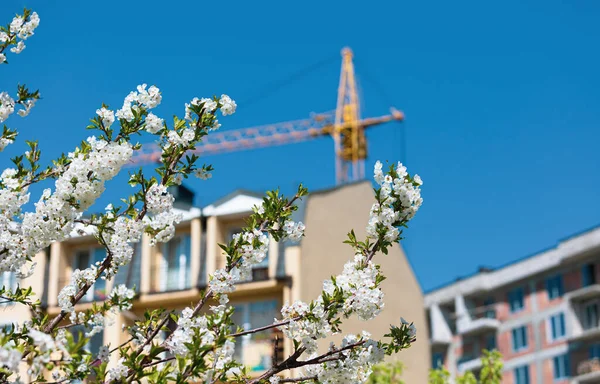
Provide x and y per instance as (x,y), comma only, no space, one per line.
(588,275)
(516,299)
(558,329)
(554,287)
(437,360)
(522,375)
(594,351)
(175,269)
(519,338)
(561,367)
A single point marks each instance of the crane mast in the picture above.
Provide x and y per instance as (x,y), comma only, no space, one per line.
(344,125)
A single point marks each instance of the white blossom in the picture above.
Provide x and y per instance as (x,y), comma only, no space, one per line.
(122,295)
(203,174)
(10,356)
(107,116)
(294,231)
(18,48)
(42,340)
(158,199)
(7,106)
(117,372)
(187,325)
(65,298)
(154,123)
(104,354)
(16,24)
(228,106)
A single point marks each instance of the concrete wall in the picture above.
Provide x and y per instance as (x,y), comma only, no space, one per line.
(329,217)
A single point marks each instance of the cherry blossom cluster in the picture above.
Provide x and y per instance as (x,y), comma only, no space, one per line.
(399,198)
(146,98)
(359,284)
(158,199)
(357,288)
(188,326)
(252,247)
(206,105)
(76,189)
(306,323)
(10,356)
(46,345)
(294,231)
(353,365)
(119,235)
(7,107)
(117,372)
(19,30)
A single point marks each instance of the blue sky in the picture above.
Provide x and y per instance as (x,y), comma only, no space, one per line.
(501,101)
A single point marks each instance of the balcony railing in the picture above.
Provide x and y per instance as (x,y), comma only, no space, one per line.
(469,362)
(584,293)
(480,320)
(488,312)
(170,279)
(588,372)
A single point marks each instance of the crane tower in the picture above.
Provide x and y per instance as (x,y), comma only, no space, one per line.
(344,125)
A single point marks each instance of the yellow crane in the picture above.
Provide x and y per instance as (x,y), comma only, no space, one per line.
(344,124)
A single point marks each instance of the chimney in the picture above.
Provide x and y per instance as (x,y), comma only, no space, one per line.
(184,197)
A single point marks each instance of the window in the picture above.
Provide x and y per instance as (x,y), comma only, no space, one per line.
(554,287)
(522,375)
(256,350)
(557,326)
(175,271)
(519,338)
(437,360)
(561,367)
(515,299)
(84,259)
(594,351)
(8,280)
(588,275)
(490,342)
(94,343)
(590,316)
(490,312)
(130,274)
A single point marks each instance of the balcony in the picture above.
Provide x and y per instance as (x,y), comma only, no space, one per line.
(469,363)
(480,321)
(585,293)
(588,372)
(439,341)
(170,279)
(586,334)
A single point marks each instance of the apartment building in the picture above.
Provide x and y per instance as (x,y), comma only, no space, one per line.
(541,313)
(172,275)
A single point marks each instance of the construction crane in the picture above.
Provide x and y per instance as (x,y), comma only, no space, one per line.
(344,124)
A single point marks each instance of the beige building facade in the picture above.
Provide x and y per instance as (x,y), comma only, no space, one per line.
(172,275)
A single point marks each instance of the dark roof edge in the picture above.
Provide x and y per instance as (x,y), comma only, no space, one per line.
(502,266)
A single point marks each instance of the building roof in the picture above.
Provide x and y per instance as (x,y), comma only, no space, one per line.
(239,201)
(487,279)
